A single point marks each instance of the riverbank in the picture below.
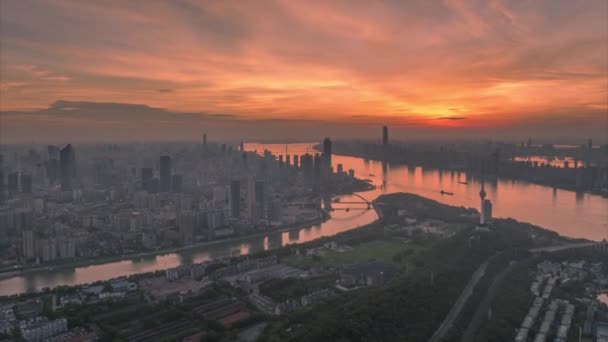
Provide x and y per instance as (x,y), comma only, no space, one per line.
(8,273)
(398,160)
(12,273)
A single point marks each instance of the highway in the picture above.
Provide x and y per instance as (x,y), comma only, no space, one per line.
(552,249)
(460,302)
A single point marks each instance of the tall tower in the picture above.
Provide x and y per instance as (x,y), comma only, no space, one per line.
(235,198)
(385,136)
(482,195)
(327,153)
(204,139)
(67,167)
(165,174)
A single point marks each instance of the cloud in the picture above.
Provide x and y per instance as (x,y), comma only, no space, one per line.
(454,118)
(408,63)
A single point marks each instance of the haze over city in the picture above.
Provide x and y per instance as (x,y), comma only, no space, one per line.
(303,171)
(302,70)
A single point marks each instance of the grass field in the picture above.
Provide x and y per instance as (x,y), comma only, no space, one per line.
(380,250)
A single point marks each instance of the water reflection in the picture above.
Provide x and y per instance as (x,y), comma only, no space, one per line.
(568,213)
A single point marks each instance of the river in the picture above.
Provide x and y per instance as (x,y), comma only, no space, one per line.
(566,212)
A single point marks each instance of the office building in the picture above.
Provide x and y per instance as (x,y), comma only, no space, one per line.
(482,195)
(186,222)
(260,199)
(385,136)
(296,161)
(146,176)
(28,249)
(67,167)
(165,174)
(26,183)
(487,210)
(13,184)
(327,153)
(316,177)
(306,162)
(235,199)
(52,170)
(176,183)
(2,187)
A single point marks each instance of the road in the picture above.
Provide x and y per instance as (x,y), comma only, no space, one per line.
(460,302)
(484,306)
(559,248)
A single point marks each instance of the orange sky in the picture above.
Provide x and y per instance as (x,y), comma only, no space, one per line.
(422,63)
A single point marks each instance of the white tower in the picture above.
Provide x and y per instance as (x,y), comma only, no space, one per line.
(482,195)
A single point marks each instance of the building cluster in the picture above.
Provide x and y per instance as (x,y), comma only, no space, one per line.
(103,200)
(28,321)
(550,318)
(581,168)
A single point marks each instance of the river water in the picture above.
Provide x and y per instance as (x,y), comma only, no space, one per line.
(566,212)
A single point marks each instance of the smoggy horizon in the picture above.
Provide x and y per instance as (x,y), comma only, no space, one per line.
(283,70)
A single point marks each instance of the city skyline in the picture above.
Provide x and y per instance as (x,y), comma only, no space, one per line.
(169,70)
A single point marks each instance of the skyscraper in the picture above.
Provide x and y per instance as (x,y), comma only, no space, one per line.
(26,183)
(235,198)
(13,184)
(296,161)
(204,139)
(482,195)
(176,183)
(260,199)
(306,164)
(165,174)
(327,153)
(487,210)
(146,176)
(67,167)
(316,182)
(2,185)
(385,136)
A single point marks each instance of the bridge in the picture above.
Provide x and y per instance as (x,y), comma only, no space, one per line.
(552,249)
(364,200)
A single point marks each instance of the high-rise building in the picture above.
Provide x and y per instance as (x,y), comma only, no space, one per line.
(260,199)
(53,151)
(385,136)
(165,174)
(52,170)
(316,182)
(28,245)
(13,184)
(327,153)
(487,210)
(146,176)
(235,198)
(307,165)
(67,167)
(296,161)
(482,195)
(186,222)
(250,205)
(176,183)
(26,183)
(204,139)
(2,187)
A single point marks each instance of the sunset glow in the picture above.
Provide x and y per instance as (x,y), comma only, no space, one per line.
(432,63)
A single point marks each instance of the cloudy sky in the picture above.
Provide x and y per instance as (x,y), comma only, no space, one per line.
(86,70)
